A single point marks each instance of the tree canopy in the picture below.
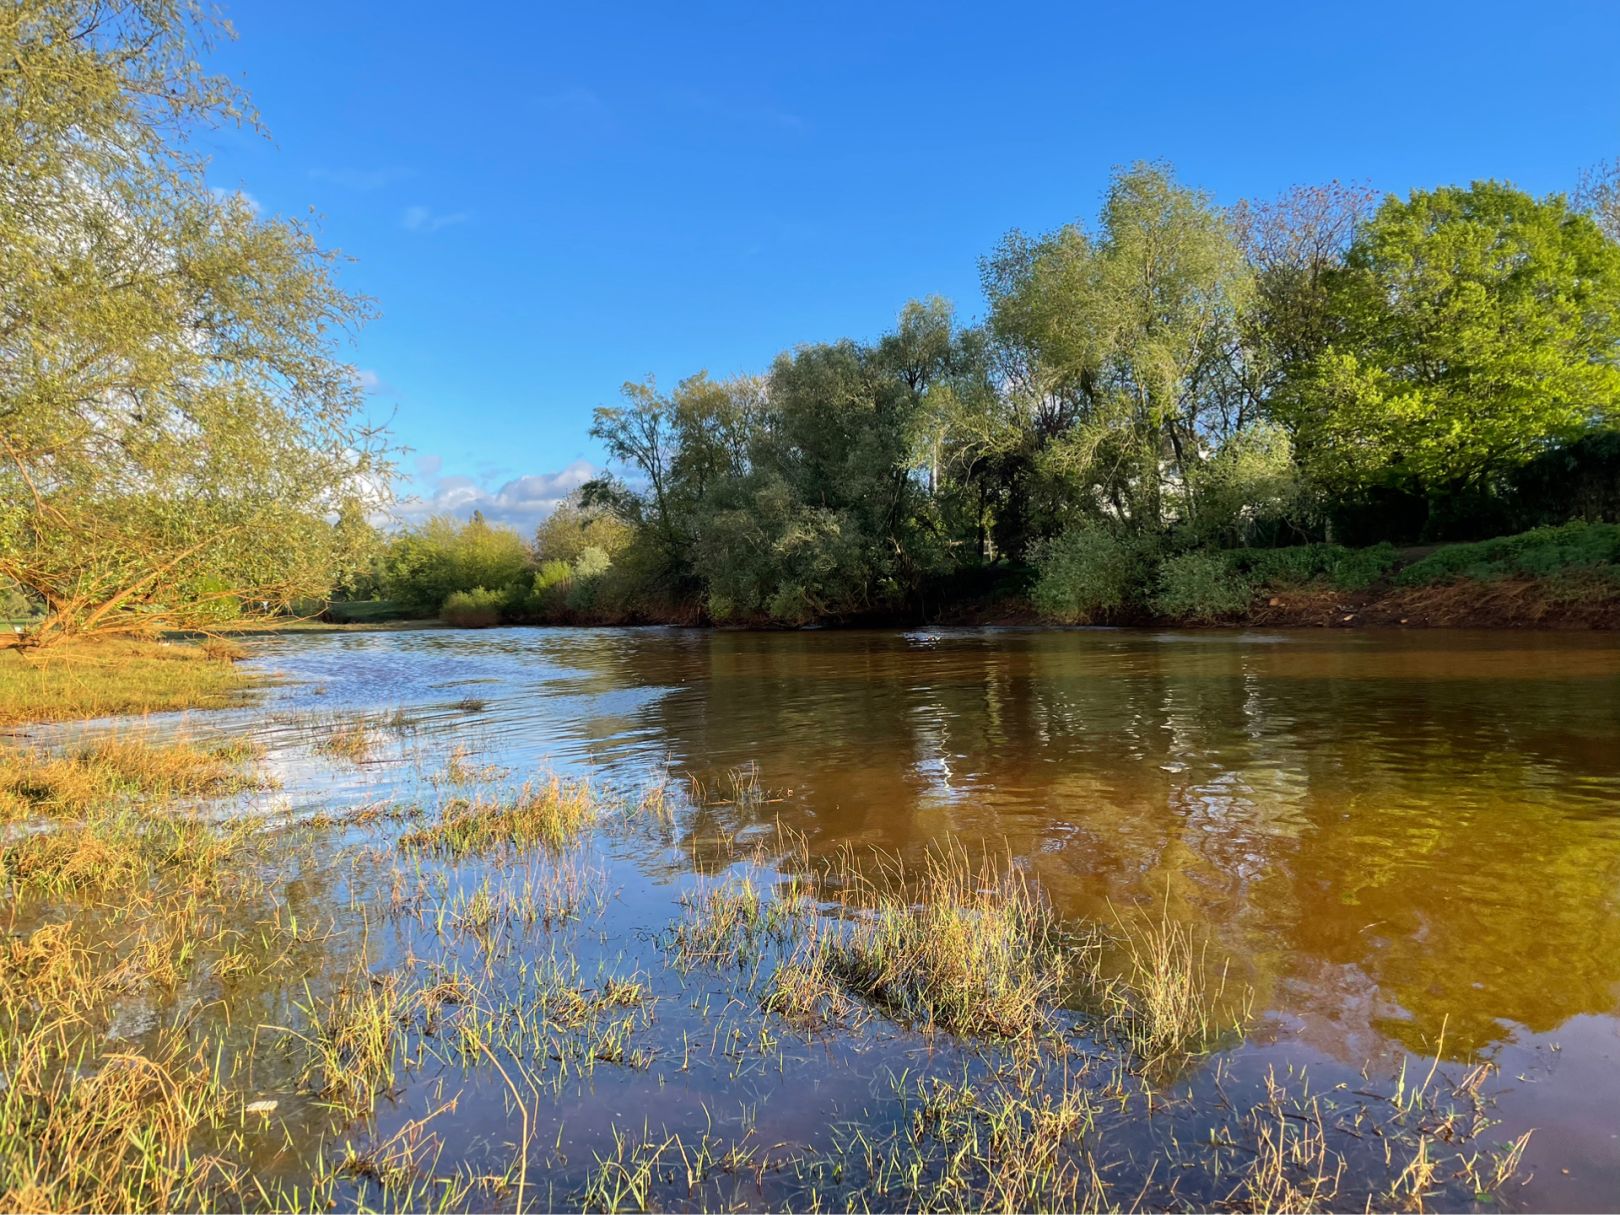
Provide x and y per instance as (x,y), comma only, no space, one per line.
(1176,376)
(181,440)
(179,437)
(1469,330)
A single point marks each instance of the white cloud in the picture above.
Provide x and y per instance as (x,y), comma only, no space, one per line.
(370,382)
(425,219)
(521,501)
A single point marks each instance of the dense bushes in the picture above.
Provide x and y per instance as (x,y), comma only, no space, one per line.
(424,566)
(478,574)
(1090,574)
(1093,575)
(478,608)
(1345,569)
(580,589)
(1576,480)
(1202,587)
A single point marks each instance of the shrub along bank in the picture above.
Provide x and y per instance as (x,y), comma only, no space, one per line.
(1568,576)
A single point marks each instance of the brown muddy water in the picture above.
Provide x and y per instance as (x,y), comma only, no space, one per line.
(1403,846)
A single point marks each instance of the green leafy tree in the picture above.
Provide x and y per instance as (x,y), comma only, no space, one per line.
(1117,349)
(424,566)
(177,432)
(573,527)
(1472,328)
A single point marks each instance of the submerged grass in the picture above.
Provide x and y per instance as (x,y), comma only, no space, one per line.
(999,1144)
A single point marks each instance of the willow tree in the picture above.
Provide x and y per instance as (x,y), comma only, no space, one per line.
(179,438)
(1118,346)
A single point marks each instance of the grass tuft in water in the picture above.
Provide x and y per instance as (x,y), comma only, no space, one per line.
(359,1035)
(551,813)
(1165,1000)
(971,949)
(352,741)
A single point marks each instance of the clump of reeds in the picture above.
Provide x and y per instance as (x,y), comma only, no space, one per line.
(358,1036)
(1166,1000)
(968,948)
(222,649)
(656,803)
(720,922)
(550,1012)
(806,988)
(552,813)
(352,741)
(460,770)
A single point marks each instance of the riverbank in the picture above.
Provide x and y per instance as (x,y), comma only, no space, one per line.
(118,677)
(1508,603)
(1565,577)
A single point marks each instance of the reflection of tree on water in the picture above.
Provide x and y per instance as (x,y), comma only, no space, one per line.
(1384,833)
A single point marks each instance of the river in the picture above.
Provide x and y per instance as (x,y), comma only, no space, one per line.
(1406,843)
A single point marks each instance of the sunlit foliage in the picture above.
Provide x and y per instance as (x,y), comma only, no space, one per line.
(178,433)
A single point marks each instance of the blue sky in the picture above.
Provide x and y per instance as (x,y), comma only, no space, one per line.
(549,199)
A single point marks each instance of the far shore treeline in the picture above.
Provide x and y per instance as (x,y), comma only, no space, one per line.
(1165,415)
(1168,411)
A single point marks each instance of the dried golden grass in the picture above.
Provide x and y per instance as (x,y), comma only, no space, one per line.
(115,677)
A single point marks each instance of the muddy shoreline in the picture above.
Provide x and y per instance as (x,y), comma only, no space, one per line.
(1510,604)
